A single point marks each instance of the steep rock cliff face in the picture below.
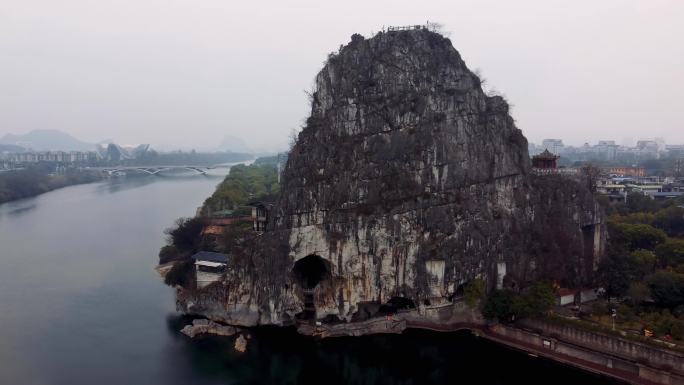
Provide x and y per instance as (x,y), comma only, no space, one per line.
(407,181)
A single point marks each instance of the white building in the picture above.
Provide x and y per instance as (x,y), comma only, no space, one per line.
(209,267)
(555,146)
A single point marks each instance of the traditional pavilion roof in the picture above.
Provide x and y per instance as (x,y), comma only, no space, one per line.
(546,155)
(256,203)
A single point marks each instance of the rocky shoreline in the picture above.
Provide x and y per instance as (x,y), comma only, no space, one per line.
(202,326)
(205,326)
(618,358)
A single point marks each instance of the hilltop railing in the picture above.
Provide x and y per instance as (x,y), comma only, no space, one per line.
(406,28)
(556,171)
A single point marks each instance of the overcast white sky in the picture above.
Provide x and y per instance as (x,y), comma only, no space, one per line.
(181,73)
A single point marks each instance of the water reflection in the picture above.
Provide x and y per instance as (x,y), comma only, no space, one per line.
(18,208)
(115,185)
(281,356)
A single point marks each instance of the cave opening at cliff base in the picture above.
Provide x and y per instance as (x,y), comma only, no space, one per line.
(310,271)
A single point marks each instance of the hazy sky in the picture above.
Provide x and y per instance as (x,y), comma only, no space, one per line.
(187,73)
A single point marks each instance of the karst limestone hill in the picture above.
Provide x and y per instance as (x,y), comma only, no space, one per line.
(407,181)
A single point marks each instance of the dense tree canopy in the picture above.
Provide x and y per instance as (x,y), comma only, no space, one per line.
(637,202)
(505,305)
(245,183)
(667,288)
(538,300)
(38,179)
(499,305)
(180,274)
(634,218)
(645,263)
(635,236)
(617,271)
(670,253)
(185,236)
(474,292)
(671,220)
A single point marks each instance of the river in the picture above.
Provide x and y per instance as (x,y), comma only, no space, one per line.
(80,303)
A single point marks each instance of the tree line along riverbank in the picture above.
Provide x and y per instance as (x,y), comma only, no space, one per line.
(38,179)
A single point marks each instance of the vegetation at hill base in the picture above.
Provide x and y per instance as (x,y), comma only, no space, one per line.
(180,274)
(643,270)
(243,184)
(506,305)
(642,274)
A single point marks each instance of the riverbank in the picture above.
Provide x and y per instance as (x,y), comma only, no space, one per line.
(36,180)
(84,306)
(607,355)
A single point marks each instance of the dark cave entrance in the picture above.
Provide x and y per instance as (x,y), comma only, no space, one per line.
(398,303)
(310,271)
(458,294)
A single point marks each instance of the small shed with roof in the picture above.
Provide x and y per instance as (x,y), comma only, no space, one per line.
(209,267)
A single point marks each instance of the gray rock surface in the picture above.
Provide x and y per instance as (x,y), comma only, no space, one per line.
(240,344)
(204,326)
(407,181)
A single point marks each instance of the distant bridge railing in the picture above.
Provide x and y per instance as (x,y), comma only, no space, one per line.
(155,170)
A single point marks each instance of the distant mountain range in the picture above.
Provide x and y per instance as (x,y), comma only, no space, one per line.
(233,144)
(45,140)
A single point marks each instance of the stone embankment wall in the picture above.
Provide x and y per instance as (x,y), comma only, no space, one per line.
(382,325)
(624,359)
(612,356)
(630,349)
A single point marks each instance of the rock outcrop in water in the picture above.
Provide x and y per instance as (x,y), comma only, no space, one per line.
(203,326)
(406,183)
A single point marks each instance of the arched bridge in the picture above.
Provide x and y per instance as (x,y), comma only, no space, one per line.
(155,170)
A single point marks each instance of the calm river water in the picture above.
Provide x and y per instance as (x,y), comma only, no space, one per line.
(80,303)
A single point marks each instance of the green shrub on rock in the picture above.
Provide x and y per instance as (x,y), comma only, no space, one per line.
(181,274)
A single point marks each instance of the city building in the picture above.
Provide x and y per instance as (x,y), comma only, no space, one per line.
(260,212)
(54,156)
(575,296)
(624,171)
(610,151)
(113,152)
(556,146)
(606,150)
